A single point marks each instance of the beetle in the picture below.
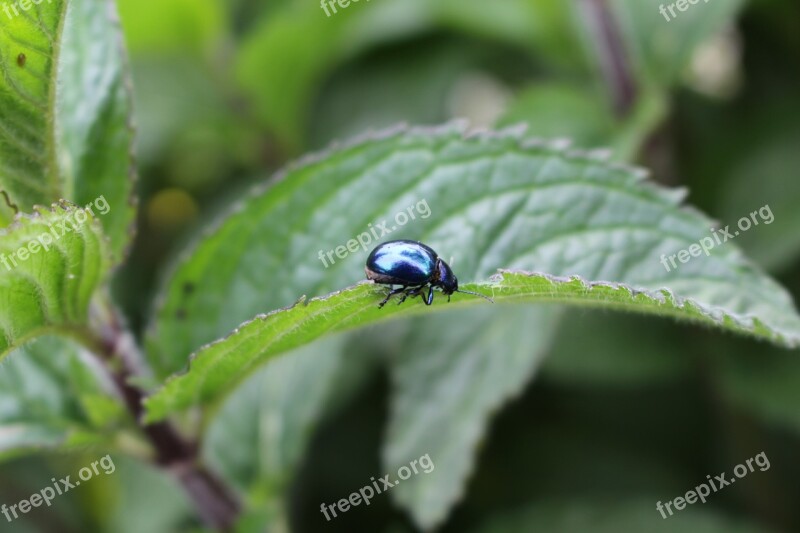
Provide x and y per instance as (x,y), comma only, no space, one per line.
(413,266)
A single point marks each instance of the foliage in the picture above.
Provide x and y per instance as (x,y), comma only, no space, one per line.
(208,325)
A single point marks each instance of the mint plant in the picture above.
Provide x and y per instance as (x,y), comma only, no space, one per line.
(250,339)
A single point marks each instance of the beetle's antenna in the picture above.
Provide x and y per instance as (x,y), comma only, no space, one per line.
(475,294)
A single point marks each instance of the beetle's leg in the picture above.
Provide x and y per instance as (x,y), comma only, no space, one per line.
(413,291)
(429,299)
(392,293)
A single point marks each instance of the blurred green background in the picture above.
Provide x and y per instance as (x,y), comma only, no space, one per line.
(625,411)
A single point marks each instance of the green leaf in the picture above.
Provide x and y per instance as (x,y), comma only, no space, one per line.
(216,366)
(65,111)
(660,48)
(421,80)
(142,497)
(584,115)
(165,111)
(612,516)
(193,26)
(539,207)
(28,170)
(47,393)
(442,404)
(573,111)
(727,144)
(775,243)
(259,435)
(48,282)
(282,86)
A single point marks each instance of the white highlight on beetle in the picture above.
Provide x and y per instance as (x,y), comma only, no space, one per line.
(365,493)
(703,490)
(71,223)
(63,485)
(363,240)
(706,244)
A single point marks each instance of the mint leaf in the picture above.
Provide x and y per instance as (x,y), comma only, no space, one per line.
(216,367)
(577,112)
(661,45)
(260,433)
(65,111)
(448,381)
(28,172)
(495,201)
(50,395)
(235,266)
(282,86)
(538,206)
(51,263)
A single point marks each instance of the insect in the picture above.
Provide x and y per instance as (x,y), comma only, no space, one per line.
(413,266)
(21,60)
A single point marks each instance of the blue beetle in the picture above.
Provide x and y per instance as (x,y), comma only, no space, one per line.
(413,266)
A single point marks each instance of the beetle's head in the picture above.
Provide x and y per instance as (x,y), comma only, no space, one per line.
(447,280)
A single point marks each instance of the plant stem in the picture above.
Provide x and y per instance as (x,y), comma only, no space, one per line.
(612,56)
(215,503)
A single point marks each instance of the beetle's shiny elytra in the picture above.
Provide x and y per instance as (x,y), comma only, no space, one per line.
(413,266)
